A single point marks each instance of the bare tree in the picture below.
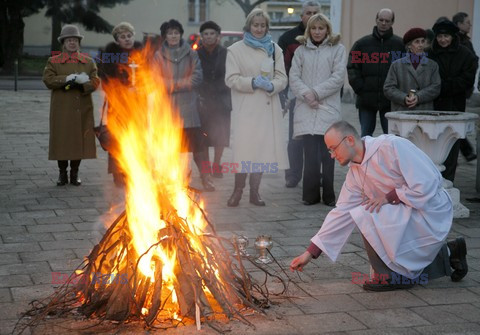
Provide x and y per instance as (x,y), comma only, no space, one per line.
(247,6)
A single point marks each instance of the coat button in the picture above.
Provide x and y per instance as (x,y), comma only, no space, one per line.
(268,102)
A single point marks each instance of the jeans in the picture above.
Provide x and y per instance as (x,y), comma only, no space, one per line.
(368,120)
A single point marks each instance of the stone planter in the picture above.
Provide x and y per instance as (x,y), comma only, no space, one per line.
(435,132)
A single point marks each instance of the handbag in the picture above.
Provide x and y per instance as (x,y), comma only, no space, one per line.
(102,132)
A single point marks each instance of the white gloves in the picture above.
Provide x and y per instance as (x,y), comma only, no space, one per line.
(82,78)
(71,76)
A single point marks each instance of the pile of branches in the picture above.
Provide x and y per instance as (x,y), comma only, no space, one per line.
(129,295)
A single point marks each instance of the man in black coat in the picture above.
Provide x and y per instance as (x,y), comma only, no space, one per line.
(288,43)
(462,21)
(457,66)
(368,65)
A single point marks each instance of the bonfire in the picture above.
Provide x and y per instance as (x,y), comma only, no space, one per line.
(160,261)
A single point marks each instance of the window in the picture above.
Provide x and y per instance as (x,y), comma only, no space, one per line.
(197,11)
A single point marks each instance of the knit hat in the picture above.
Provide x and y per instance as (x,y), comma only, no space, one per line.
(69,30)
(412,34)
(445,27)
(210,25)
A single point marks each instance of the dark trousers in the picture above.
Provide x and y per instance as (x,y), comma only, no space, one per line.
(440,266)
(466,147)
(62,165)
(294,150)
(318,170)
(451,162)
(368,120)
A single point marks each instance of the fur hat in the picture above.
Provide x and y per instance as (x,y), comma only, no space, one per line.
(69,30)
(445,27)
(210,25)
(412,34)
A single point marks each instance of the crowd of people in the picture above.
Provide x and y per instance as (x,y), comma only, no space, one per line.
(245,88)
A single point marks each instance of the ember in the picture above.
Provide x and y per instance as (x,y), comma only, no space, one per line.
(172,263)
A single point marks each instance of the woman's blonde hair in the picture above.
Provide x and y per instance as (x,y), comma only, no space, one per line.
(121,28)
(332,38)
(256,12)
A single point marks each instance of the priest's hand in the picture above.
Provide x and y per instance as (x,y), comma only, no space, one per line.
(374,204)
(299,262)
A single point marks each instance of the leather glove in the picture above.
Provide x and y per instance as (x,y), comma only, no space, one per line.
(82,78)
(263,83)
(71,77)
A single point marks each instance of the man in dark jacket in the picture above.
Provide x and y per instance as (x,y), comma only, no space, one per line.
(462,21)
(288,43)
(368,65)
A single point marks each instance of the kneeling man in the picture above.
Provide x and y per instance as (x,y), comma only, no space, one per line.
(393,193)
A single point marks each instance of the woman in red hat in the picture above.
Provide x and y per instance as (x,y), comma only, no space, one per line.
(413,81)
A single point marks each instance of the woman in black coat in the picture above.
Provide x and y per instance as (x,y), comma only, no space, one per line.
(457,67)
(111,65)
(215,100)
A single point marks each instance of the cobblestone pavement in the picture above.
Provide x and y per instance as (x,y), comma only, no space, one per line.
(45,229)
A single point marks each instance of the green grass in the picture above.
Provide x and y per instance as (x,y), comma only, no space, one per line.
(32,65)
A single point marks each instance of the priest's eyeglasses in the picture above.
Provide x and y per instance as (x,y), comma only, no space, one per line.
(334,148)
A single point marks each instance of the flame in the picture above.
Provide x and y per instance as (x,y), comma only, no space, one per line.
(148,134)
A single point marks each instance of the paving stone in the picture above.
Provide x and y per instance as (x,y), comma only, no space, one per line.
(446,296)
(19,238)
(323,323)
(46,255)
(59,220)
(74,211)
(65,265)
(389,318)
(30,293)
(328,303)
(5,295)
(51,228)
(392,331)
(66,244)
(18,247)
(9,258)
(385,300)
(24,268)
(449,314)
(15,280)
(33,214)
(462,328)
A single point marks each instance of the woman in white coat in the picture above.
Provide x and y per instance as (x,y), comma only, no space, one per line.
(255,72)
(316,78)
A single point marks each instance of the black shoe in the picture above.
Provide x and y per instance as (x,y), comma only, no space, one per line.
(235,198)
(458,258)
(208,186)
(62,178)
(74,180)
(330,203)
(386,287)
(310,203)
(471,157)
(290,183)
(255,199)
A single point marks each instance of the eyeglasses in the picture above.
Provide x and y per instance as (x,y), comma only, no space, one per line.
(333,149)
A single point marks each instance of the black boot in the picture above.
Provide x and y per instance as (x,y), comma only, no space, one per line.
(62,177)
(234,200)
(74,180)
(458,258)
(255,199)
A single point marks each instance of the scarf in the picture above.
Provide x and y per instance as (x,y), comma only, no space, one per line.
(264,43)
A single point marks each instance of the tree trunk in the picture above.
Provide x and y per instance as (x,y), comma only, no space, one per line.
(11,26)
(56,30)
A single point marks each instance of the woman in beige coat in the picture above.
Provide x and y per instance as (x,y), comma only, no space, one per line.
(316,78)
(255,72)
(72,77)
